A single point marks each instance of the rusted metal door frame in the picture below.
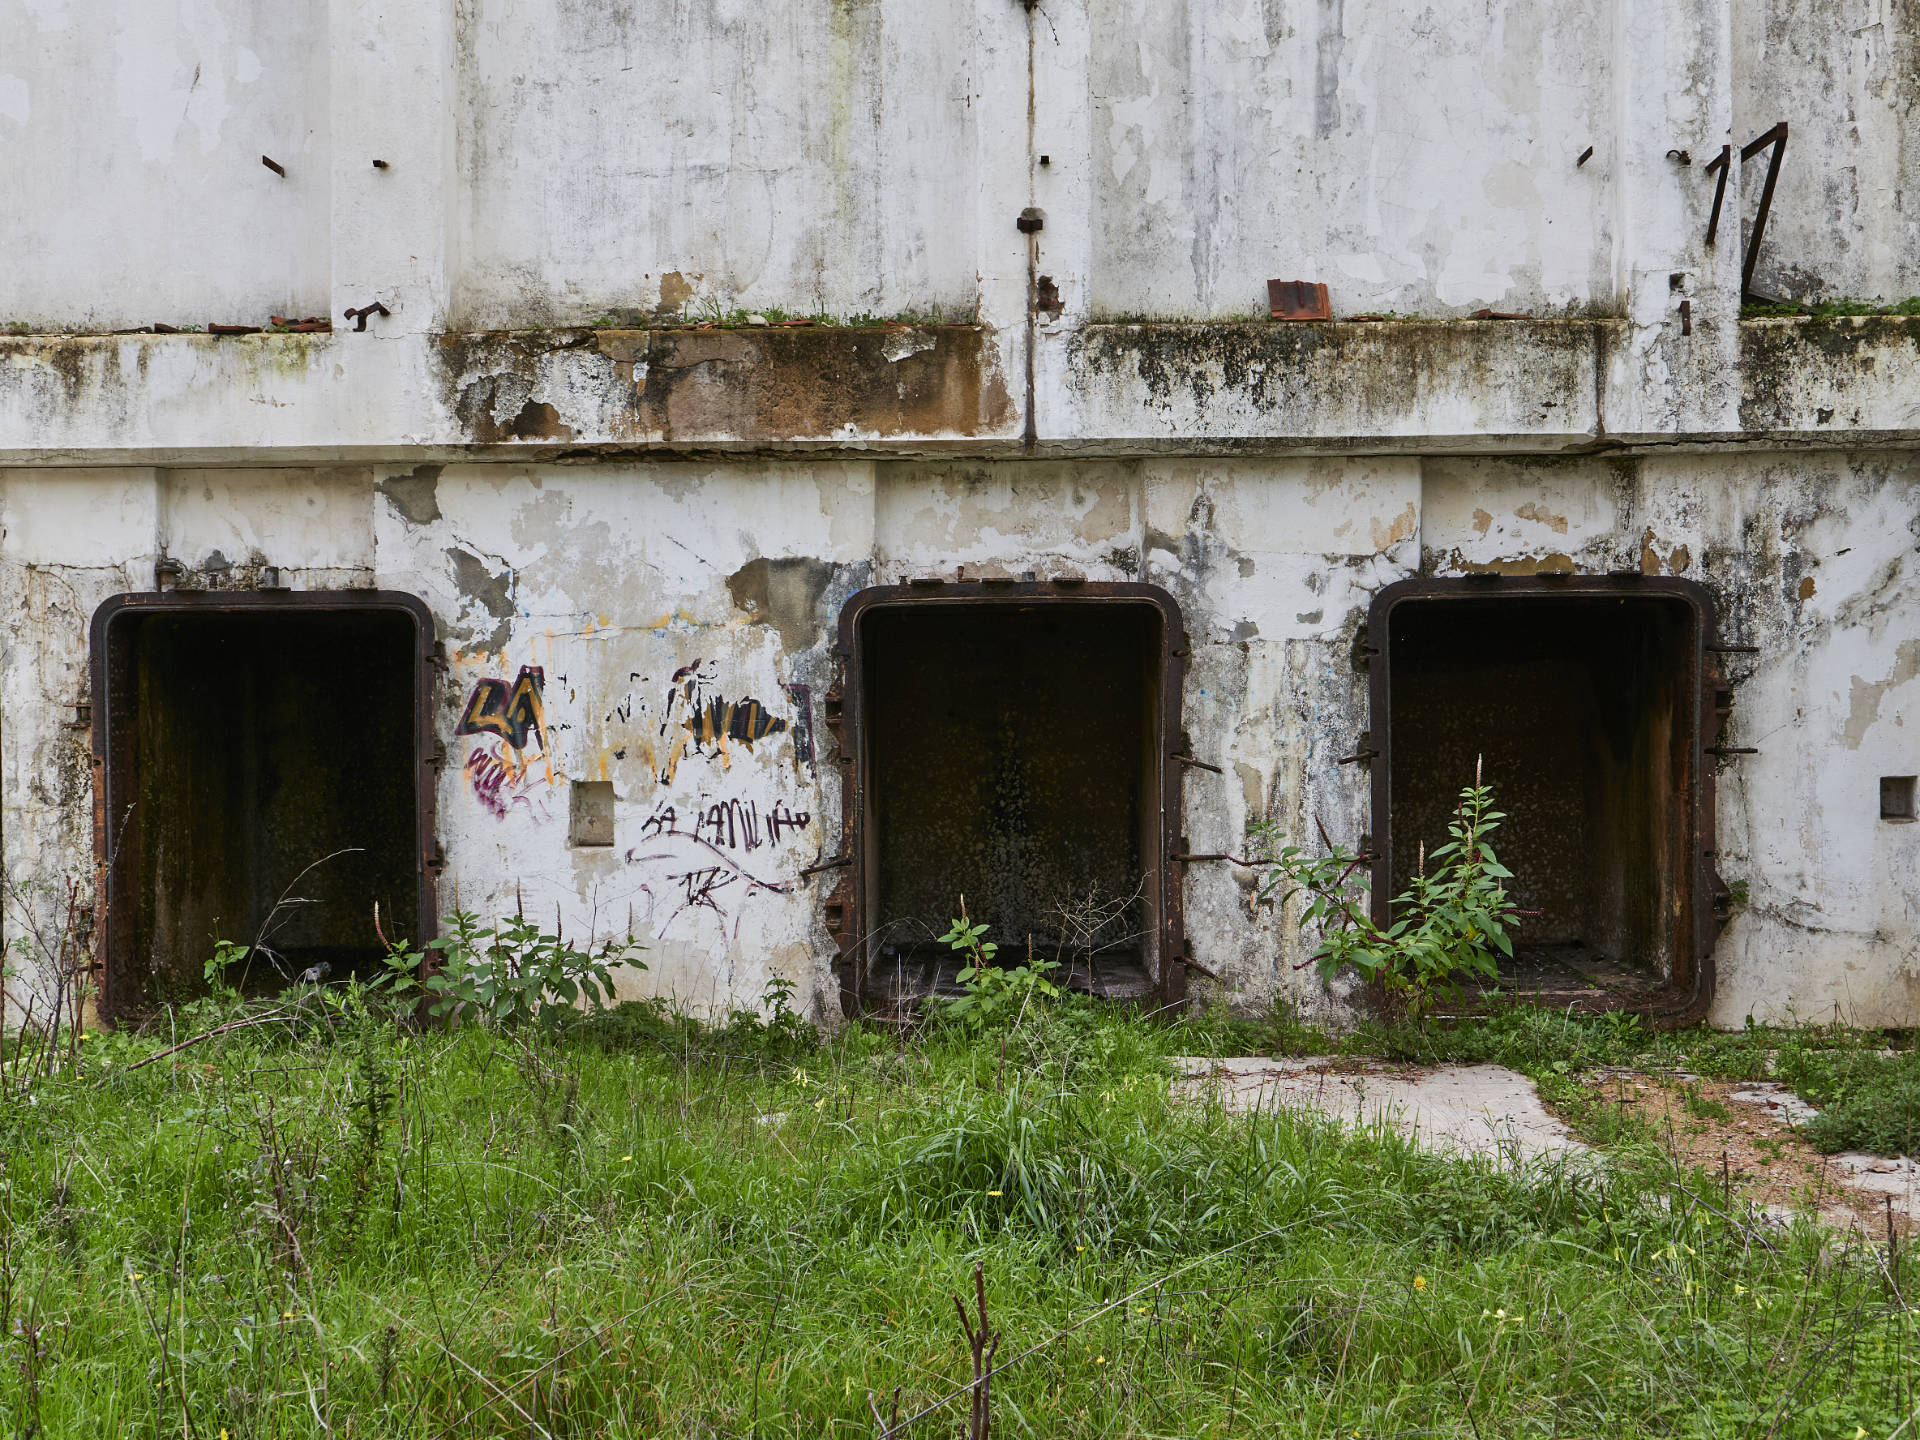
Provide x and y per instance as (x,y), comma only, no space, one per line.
(116,877)
(848,906)
(1708,702)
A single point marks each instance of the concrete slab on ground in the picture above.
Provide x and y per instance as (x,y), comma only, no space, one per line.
(1469,1109)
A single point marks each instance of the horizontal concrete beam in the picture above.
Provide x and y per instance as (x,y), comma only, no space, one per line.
(1354,385)
(283,397)
(1520,386)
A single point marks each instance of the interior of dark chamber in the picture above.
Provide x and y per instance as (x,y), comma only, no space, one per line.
(262,743)
(1010,754)
(1575,711)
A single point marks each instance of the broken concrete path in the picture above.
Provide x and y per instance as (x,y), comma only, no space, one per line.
(1472,1109)
(1491,1110)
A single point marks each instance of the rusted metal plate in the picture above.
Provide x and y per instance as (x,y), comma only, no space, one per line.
(1298,300)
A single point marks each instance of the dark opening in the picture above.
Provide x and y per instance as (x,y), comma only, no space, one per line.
(1012,753)
(243,747)
(1582,713)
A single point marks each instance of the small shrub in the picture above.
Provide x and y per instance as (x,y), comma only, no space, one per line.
(1450,924)
(992,995)
(509,974)
(1868,1100)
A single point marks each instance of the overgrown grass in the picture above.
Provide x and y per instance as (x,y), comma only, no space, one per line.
(646,1227)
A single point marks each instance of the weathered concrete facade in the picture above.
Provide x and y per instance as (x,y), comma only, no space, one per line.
(658,525)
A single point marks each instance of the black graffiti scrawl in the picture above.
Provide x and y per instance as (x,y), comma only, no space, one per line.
(513,713)
(709,722)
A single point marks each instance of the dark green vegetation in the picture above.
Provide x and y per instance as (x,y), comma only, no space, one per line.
(1824,308)
(327,1225)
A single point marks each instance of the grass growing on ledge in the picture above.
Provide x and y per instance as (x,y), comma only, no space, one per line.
(643,1227)
(1778,309)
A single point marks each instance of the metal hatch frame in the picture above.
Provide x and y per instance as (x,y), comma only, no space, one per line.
(116,875)
(1690,995)
(847,907)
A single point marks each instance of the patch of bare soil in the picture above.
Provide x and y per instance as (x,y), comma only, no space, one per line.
(1755,1150)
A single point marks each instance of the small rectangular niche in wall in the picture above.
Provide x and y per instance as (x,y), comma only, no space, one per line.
(1896,797)
(590,819)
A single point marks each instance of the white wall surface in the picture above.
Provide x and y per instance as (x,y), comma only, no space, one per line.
(1844,75)
(614,579)
(131,133)
(1414,158)
(552,161)
(654,155)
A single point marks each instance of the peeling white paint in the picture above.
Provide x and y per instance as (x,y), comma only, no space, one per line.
(554,164)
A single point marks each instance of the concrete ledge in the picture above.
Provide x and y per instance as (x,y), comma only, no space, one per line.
(190,398)
(1477,385)
(1834,380)
(1409,387)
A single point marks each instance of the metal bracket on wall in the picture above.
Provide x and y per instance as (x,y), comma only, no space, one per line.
(1196,764)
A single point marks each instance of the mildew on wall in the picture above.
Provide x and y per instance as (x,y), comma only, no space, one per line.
(635,536)
(666,628)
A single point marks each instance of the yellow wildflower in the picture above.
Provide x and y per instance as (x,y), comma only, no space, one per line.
(996,1194)
(1099,1359)
(1419,1282)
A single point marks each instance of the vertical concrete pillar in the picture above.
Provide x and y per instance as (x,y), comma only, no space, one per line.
(1002,99)
(69,538)
(1673,97)
(1062,188)
(394,226)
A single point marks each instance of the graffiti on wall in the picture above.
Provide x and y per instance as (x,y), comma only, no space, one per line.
(698,716)
(513,714)
(715,856)
(512,757)
(696,858)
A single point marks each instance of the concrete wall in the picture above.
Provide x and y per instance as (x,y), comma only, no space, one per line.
(1842,74)
(1415,160)
(643,589)
(535,441)
(557,162)
(140,129)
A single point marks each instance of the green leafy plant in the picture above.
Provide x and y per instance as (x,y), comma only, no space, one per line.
(991,994)
(226,955)
(509,974)
(1450,923)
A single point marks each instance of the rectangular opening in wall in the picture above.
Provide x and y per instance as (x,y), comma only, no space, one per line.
(265,781)
(1580,702)
(1011,749)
